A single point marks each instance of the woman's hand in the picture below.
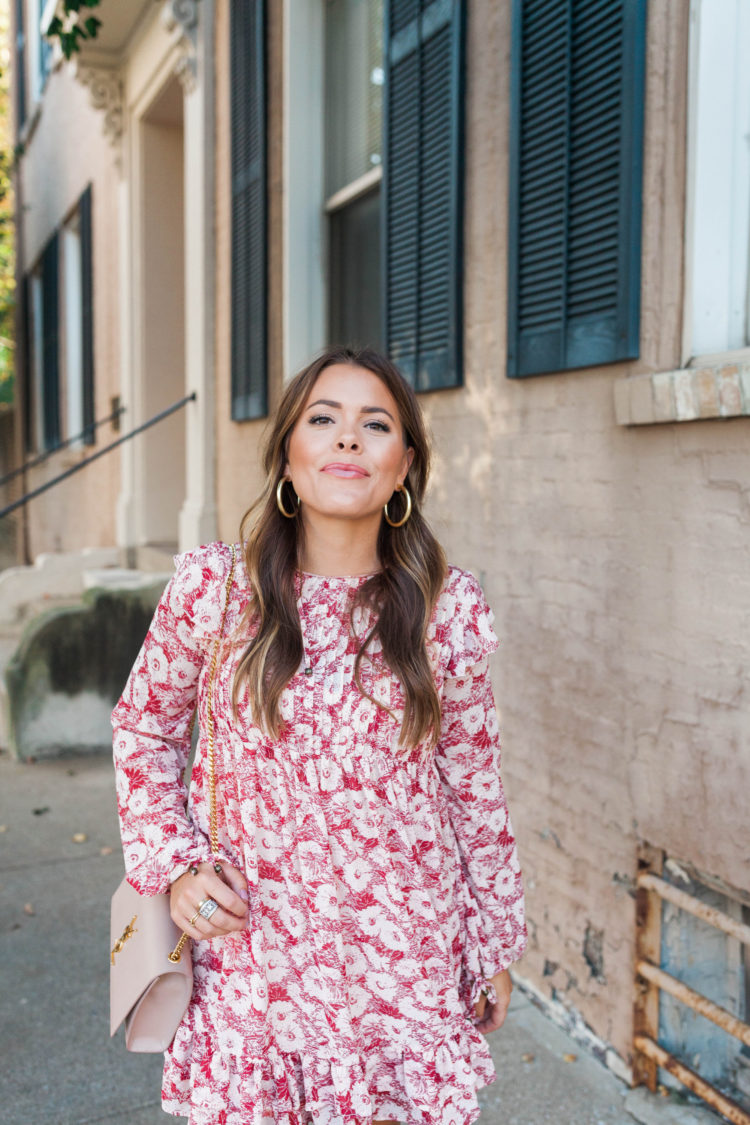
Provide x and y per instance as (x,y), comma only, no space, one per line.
(493,1016)
(229,890)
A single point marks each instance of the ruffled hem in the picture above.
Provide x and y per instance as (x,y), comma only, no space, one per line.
(433,1083)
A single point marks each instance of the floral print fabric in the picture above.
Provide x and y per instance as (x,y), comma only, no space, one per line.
(384,889)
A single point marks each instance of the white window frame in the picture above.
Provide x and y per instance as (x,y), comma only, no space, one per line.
(305,307)
(72,310)
(716,316)
(307,210)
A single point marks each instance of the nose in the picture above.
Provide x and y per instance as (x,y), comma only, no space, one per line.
(347,442)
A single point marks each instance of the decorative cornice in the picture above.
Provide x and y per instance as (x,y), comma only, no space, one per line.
(181,17)
(182,14)
(187,72)
(106,93)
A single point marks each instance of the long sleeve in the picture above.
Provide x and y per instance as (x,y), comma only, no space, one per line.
(152,732)
(468,763)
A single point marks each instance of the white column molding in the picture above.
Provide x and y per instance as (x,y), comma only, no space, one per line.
(106,93)
(126,512)
(198,516)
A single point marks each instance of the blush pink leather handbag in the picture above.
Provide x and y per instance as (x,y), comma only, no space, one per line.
(151,971)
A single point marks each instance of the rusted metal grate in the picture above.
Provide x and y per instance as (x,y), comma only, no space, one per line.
(651,980)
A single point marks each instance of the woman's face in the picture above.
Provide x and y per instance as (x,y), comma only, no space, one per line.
(346,453)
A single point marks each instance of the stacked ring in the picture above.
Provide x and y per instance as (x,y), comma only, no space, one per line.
(207,908)
(194,918)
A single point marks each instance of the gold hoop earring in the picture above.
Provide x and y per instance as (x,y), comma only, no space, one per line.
(407,513)
(280,501)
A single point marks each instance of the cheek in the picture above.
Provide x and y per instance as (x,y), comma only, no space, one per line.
(300,449)
(396,460)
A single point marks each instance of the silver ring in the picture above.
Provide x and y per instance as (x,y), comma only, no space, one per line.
(207,907)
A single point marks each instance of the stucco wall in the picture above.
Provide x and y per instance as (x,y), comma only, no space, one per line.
(66,151)
(615,561)
(614,558)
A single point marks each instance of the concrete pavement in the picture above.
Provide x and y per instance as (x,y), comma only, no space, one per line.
(60,860)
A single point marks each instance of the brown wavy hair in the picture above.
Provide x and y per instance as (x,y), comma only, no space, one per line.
(402,594)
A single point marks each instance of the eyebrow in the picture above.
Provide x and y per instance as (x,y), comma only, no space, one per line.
(364,410)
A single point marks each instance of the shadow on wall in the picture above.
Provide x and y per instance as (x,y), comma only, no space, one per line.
(70,668)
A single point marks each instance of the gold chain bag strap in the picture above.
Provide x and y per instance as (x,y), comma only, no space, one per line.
(174,956)
(150,980)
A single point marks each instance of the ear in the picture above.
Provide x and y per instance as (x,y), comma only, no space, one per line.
(409,459)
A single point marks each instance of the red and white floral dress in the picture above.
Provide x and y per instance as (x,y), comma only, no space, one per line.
(384,890)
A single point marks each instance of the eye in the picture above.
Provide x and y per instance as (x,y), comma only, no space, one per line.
(317,418)
(382,426)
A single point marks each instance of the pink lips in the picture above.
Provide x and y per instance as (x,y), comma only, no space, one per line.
(340,469)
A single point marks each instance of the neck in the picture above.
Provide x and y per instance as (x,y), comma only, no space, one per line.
(339,547)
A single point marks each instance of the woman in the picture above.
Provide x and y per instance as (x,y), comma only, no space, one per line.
(367,900)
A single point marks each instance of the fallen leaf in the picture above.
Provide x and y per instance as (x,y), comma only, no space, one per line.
(528,1057)
(28,908)
(39,812)
(79,838)
(3,827)
(570,1058)
(106,850)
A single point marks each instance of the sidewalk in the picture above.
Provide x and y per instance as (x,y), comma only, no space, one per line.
(59,1066)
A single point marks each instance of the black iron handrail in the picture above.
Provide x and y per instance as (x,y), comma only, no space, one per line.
(95,456)
(60,445)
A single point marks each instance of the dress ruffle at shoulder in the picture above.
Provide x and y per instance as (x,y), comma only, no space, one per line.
(384,889)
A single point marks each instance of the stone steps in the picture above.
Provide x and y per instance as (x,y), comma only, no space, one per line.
(94,611)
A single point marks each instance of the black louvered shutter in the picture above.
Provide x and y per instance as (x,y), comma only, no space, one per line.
(87,315)
(577,94)
(50,345)
(25,335)
(423,190)
(20,75)
(249,211)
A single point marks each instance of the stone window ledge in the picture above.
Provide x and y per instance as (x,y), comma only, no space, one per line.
(686,395)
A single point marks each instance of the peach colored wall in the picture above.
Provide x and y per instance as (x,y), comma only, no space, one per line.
(616,562)
(614,558)
(65,152)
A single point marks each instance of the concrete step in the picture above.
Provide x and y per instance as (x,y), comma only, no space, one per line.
(52,704)
(57,576)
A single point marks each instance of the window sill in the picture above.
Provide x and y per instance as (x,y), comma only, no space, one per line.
(689,394)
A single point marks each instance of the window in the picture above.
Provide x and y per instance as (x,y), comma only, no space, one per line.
(43,398)
(719,177)
(374,182)
(577,94)
(353,168)
(78,297)
(249,211)
(423,190)
(40,50)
